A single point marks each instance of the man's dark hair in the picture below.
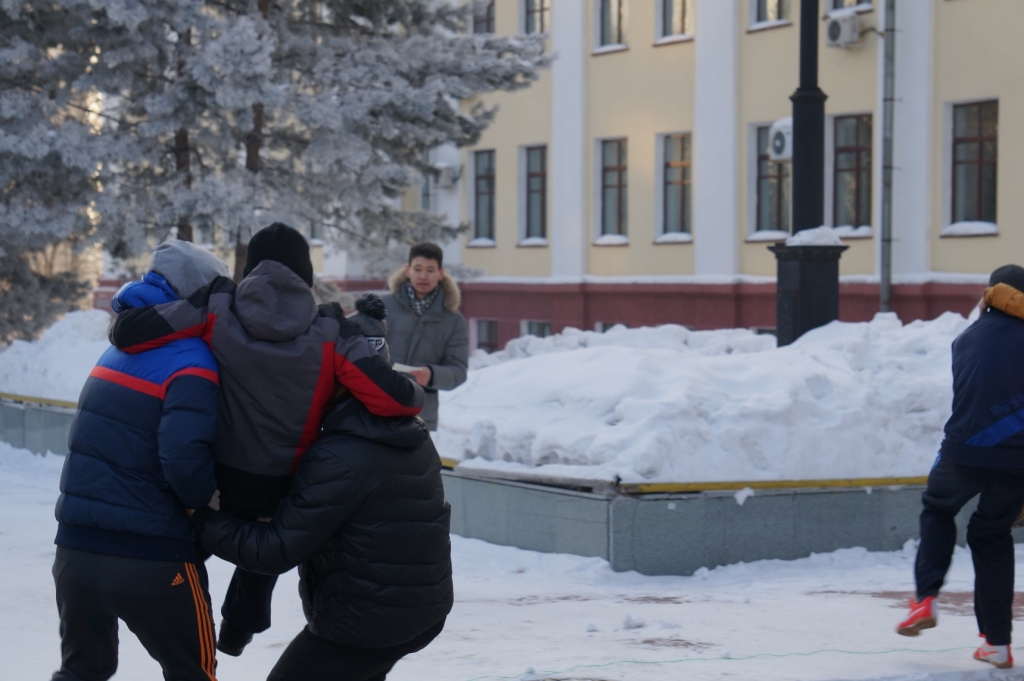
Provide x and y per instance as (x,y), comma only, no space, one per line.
(427,250)
(1011,275)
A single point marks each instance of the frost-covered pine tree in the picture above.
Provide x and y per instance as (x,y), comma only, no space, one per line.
(51,158)
(110,131)
(128,121)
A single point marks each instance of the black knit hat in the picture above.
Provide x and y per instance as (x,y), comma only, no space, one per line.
(1011,275)
(283,244)
(369,317)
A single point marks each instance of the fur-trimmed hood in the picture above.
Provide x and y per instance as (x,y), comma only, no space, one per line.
(452,294)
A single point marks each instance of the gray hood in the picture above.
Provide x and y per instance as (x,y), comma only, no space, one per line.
(187,267)
(273,303)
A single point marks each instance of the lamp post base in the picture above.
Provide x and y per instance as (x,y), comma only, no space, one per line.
(806,289)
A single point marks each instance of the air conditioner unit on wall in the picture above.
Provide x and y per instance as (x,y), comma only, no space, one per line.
(780,140)
(843,29)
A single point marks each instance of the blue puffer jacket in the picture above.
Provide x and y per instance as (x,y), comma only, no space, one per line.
(141,447)
(986,427)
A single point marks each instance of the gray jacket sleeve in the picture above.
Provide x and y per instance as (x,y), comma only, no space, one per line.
(451,371)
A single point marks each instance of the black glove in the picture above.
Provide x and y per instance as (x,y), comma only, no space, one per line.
(199,518)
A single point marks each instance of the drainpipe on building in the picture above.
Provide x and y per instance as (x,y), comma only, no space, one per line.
(807,283)
(885,288)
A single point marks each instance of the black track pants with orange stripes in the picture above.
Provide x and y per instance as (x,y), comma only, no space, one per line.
(165,604)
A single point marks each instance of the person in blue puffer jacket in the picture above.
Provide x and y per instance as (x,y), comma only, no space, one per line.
(141,450)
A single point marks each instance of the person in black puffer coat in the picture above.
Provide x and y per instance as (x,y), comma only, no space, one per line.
(367,523)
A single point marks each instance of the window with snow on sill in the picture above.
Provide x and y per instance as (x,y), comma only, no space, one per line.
(534,241)
(611,240)
(674,238)
(480,242)
(851,232)
(768,235)
(970,229)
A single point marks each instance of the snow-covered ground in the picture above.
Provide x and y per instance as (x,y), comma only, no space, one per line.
(661,404)
(56,365)
(825,617)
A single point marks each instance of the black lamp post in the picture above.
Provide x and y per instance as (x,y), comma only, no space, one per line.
(807,285)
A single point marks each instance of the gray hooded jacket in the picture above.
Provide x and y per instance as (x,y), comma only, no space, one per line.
(438,339)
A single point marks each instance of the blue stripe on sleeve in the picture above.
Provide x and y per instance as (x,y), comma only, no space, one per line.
(999,431)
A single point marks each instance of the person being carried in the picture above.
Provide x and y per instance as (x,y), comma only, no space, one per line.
(367,522)
(280,360)
(982,454)
(426,331)
(141,447)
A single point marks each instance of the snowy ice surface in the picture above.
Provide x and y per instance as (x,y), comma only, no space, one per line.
(56,365)
(666,404)
(819,236)
(826,617)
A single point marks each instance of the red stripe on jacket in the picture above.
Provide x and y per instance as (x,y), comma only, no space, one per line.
(321,400)
(369,393)
(157,390)
(202,330)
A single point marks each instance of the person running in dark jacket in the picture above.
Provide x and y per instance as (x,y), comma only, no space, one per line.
(141,447)
(280,360)
(367,522)
(982,454)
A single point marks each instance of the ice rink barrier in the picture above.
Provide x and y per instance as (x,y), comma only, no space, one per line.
(676,529)
(37,424)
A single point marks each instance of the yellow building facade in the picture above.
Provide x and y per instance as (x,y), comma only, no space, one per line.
(721,72)
(654,121)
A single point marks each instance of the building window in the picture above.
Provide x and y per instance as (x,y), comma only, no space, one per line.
(483,194)
(852,171)
(611,22)
(772,10)
(677,177)
(487,335)
(975,147)
(605,327)
(673,17)
(536,328)
(614,207)
(483,18)
(773,186)
(538,16)
(845,4)
(536,192)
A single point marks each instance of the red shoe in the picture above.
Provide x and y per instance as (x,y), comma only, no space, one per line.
(922,616)
(1000,656)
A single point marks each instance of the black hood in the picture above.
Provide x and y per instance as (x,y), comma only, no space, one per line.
(350,417)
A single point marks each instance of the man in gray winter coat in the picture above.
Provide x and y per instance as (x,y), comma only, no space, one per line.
(425,328)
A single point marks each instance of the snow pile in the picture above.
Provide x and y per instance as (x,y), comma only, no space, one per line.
(664,404)
(819,236)
(667,337)
(56,365)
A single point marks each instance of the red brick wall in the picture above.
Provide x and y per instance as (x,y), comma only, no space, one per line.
(698,306)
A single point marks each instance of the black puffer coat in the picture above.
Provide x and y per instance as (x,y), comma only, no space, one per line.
(367,520)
